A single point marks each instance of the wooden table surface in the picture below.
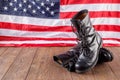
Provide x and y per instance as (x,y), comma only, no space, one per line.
(36,63)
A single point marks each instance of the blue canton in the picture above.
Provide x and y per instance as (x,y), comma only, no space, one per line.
(31,8)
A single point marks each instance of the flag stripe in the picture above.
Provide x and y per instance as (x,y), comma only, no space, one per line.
(93,14)
(23,27)
(10,38)
(90,7)
(55,22)
(52,34)
(66,2)
(50,43)
(16,33)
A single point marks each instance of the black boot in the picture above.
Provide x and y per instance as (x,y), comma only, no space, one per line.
(91,42)
(105,56)
(65,58)
(69,58)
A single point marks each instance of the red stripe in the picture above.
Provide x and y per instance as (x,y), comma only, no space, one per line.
(10,38)
(66,2)
(107,28)
(93,14)
(49,45)
(23,27)
(39,45)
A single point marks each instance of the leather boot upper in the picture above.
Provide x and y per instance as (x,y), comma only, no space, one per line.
(90,41)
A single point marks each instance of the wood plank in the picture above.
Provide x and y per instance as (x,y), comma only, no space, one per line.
(39,60)
(115,64)
(37,64)
(20,68)
(7,58)
(103,72)
(50,70)
(2,50)
(85,76)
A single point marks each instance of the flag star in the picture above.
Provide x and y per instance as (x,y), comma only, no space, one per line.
(42,4)
(52,4)
(11,4)
(20,5)
(47,0)
(24,1)
(15,0)
(38,7)
(24,10)
(47,8)
(15,9)
(29,6)
(33,11)
(5,8)
(33,2)
(52,13)
(43,12)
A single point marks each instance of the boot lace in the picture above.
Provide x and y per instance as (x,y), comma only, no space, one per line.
(81,35)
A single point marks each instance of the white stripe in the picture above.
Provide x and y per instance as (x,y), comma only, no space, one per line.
(55,22)
(36,42)
(111,42)
(31,20)
(105,21)
(90,7)
(16,33)
(52,42)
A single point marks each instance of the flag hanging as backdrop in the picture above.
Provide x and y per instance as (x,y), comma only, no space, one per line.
(47,22)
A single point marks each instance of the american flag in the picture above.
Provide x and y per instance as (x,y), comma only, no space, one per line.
(47,22)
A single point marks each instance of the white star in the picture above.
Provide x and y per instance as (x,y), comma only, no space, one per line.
(29,6)
(37,0)
(33,11)
(47,8)
(43,12)
(52,4)
(15,0)
(20,5)
(24,10)
(38,7)
(5,8)
(11,4)
(24,1)
(15,9)
(47,0)
(33,2)
(42,4)
(52,13)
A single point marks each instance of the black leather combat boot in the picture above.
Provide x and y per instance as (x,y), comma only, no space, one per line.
(105,56)
(91,42)
(70,57)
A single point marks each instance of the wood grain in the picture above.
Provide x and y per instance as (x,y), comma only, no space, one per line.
(33,63)
(21,65)
(6,59)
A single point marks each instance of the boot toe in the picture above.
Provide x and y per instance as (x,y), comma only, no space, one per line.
(81,67)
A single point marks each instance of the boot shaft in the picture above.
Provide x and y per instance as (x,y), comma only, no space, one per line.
(85,30)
